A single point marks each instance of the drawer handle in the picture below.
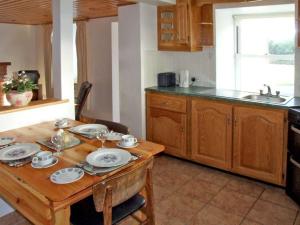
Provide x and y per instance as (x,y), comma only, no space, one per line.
(297,131)
(294,162)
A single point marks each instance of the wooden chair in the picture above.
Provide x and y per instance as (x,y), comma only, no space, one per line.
(114,126)
(84,91)
(119,197)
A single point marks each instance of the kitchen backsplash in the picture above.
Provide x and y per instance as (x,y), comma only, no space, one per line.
(200,64)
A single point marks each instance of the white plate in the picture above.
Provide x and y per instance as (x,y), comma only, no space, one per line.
(37,166)
(119,144)
(114,136)
(88,129)
(108,157)
(18,151)
(6,140)
(67,175)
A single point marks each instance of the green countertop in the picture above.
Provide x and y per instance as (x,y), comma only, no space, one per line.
(221,94)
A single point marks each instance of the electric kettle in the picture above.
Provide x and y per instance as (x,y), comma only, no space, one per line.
(184,79)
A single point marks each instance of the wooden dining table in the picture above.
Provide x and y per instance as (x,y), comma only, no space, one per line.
(42,202)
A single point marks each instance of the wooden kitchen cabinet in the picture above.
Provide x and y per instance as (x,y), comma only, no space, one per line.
(167,123)
(178,26)
(259,143)
(211,131)
(245,139)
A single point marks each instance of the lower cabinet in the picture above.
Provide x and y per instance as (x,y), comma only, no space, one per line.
(244,139)
(168,128)
(259,143)
(211,133)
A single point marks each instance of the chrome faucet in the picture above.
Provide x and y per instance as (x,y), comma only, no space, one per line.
(269,90)
(269,93)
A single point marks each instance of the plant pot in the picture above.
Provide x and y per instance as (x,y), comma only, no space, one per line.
(19,98)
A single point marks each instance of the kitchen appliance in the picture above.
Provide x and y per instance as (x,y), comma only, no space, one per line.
(166,79)
(184,79)
(293,159)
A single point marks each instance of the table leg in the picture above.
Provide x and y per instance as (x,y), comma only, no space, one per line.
(62,217)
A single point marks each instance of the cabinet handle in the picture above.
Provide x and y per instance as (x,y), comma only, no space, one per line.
(297,131)
(294,162)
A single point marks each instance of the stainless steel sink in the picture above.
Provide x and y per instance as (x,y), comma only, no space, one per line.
(268,99)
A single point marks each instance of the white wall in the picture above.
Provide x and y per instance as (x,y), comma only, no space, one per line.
(99,59)
(22,45)
(200,64)
(130,68)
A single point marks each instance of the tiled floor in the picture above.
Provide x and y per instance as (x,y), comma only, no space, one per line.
(189,194)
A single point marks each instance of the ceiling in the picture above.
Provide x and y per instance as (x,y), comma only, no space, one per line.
(39,11)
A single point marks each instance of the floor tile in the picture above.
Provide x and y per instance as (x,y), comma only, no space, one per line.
(161,219)
(199,189)
(297,222)
(233,202)
(268,213)
(170,181)
(160,193)
(278,196)
(245,186)
(179,207)
(214,176)
(250,222)
(12,219)
(211,215)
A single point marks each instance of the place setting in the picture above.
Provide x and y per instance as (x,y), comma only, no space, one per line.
(19,154)
(6,141)
(43,159)
(105,160)
(127,141)
(88,130)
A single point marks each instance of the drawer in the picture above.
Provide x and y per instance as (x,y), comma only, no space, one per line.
(168,102)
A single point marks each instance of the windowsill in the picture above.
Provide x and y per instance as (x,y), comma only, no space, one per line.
(31,105)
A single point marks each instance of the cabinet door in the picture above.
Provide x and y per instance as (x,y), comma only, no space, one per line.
(167,128)
(166,27)
(212,133)
(259,143)
(182,22)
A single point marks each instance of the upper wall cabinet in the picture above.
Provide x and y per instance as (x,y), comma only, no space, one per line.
(180,26)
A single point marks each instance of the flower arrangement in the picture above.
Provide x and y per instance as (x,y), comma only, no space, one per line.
(19,83)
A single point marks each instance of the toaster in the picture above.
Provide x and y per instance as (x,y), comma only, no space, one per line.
(166,79)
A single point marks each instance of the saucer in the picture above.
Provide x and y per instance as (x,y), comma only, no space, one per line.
(119,144)
(37,166)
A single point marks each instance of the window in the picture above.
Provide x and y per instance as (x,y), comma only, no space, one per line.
(264,52)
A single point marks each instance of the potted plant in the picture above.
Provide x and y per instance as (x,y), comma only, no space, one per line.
(18,89)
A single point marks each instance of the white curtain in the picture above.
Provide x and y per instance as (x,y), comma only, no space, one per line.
(81,49)
(48,59)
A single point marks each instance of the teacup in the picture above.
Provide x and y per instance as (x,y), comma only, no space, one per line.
(61,123)
(43,158)
(128,140)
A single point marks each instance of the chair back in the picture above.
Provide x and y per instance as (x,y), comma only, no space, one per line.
(123,186)
(114,126)
(33,75)
(84,91)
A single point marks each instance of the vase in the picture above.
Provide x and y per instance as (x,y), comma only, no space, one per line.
(19,98)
